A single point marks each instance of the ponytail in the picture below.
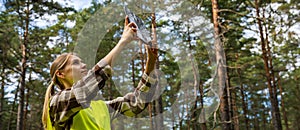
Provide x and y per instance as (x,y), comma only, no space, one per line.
(48,95)
(58,64)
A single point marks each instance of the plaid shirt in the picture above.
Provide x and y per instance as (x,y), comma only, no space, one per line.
(66,103)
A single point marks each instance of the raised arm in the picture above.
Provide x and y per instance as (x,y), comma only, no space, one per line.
(68,102)
(128,35)
(134,103)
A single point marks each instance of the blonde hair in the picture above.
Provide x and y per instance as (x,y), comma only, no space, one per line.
(58,64)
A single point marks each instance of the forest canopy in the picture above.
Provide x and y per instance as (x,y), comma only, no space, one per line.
(222,64)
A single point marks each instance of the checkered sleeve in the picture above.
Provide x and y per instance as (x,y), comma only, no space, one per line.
(68,102)
(135,102)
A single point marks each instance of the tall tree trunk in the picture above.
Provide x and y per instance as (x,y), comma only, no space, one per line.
(244,105)
(221,69)
(194,112)
(235,114)
(3,83)
(13,108)
(26,110)
(158,103)
(272,72)
(23,72)
(202,113)
(2,96)
(22,95)
(282,105)
(196,86)
(231,102)
(276,120)
(27,104)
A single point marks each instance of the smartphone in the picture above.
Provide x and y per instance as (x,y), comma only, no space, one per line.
(142,32)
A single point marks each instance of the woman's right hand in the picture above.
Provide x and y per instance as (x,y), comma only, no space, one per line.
(129,32)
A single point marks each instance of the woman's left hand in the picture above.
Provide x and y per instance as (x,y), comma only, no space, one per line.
(152,53)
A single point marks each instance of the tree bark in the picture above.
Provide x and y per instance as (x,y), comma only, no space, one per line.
(13,108)
(27,104)
(282,105)
(276,120)
(26,110)
(221,69)
(235,114)
(20,117)
(2,96)
(244,105)
(202,113)
(231,103)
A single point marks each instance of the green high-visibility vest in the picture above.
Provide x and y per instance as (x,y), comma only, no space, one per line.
(96,117)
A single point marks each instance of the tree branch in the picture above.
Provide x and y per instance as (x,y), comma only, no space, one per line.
(241,14)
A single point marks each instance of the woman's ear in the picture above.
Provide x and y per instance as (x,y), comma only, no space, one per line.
(60,74)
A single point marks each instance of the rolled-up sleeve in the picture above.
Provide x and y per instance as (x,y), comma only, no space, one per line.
(134,103)
(87,88)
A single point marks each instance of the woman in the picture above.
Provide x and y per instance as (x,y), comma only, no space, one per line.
(75,106)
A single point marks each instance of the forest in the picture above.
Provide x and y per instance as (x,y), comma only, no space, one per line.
(222,64)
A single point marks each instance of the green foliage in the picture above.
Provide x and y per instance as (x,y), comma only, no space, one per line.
(98,28)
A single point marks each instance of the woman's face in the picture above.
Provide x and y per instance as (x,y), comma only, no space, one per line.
(74,70)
